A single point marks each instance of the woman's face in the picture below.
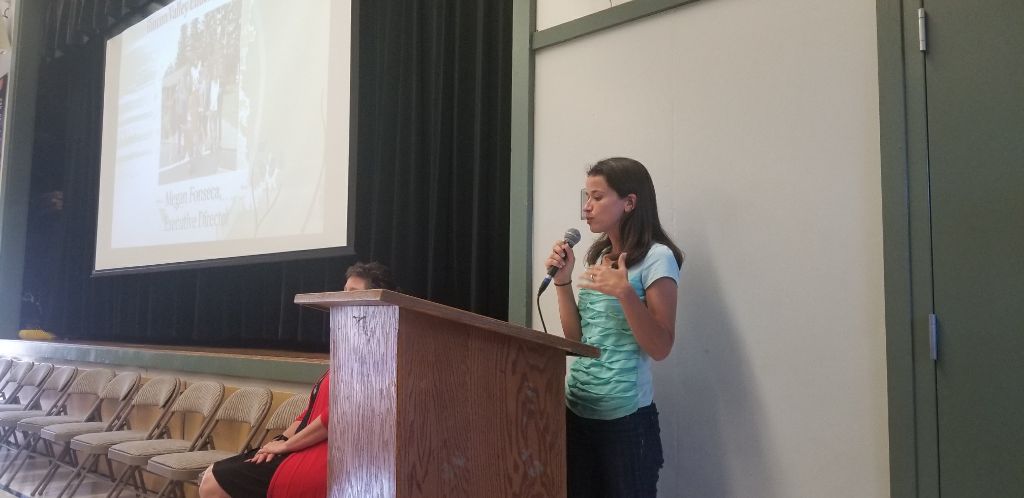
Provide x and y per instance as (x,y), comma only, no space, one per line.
(604,208)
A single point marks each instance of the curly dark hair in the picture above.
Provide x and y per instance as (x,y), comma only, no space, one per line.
(376,275)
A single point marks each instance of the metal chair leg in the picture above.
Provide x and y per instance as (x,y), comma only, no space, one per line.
(118,483)
(74,476)
(27,448)
(51,471)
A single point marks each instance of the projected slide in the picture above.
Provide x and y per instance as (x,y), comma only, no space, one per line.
(225,133)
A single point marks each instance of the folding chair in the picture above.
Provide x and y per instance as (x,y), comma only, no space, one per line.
(60,430)
(5,366)
(37,380)
(88,448)
(283,417)
(247,406)
(16,371)
(19,370)
(89,383)
(58,383)
(201,398)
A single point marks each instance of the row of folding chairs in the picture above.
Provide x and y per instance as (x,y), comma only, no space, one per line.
(25,379)
(82,441)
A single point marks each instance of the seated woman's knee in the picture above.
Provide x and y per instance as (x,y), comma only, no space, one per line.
(209,487)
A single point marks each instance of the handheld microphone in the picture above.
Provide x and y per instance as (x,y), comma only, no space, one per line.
(571,236)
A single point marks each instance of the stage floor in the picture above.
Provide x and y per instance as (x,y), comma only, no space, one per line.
(252,363)
(252,352)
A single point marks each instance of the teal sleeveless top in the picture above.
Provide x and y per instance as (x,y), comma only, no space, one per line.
(618,382)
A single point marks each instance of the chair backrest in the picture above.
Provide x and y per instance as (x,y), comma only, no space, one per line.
(248,405)
(201,398)
(119,389)
(19,370)
(284,416)
(5,366)
(158,392)
(38,375)
(88,382)
(58,382)
(60,378)
(121,386)
(34,379)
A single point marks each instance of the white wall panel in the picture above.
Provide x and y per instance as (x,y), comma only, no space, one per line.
(759,123)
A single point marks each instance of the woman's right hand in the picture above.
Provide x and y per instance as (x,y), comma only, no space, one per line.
(269,451)
(562,258)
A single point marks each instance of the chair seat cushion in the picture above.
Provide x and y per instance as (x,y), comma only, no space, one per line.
(139,452)
(63,432)
(100,442)
(36,424)
(185,466)
(11,419)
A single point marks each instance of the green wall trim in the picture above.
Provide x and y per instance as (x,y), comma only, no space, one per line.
(896,249)
(921,303)
(234,365)
(601,20)
(913,424)
(520,254)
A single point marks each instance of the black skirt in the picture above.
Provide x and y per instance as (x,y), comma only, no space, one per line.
(242,479)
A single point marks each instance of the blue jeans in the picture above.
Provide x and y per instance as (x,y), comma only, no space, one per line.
(617,458)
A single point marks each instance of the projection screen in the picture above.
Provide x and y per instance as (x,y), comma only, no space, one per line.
(226,127)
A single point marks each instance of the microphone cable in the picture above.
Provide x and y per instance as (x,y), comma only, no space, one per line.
(541,313)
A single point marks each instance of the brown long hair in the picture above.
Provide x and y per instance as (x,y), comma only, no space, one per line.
(639,228)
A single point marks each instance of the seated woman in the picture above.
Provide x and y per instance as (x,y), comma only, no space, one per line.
(294,464)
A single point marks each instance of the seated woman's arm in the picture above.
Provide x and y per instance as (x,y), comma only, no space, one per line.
(290,431)
(313,433)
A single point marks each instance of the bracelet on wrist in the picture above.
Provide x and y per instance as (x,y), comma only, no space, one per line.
(562,285)
(280,437)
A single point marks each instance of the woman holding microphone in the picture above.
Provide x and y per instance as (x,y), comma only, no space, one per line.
(627,309)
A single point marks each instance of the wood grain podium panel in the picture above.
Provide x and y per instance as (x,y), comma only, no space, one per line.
(484,414)
(363,402)
(429,401)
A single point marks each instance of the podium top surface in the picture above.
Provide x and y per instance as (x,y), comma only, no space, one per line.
(379,297)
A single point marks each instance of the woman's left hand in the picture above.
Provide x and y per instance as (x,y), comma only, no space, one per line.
(606,279)
(268,452)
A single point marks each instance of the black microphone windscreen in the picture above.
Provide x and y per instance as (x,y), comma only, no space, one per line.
(572,236)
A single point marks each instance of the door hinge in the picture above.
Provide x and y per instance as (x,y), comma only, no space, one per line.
(933,337)
(922,30)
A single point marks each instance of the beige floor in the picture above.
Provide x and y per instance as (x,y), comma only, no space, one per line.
(33,472)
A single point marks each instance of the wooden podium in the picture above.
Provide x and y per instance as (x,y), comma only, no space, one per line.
(435,402)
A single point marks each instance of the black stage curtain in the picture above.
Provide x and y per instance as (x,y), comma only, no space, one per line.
(432,171)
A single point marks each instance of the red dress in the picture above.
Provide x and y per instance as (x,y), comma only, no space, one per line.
(303,474)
